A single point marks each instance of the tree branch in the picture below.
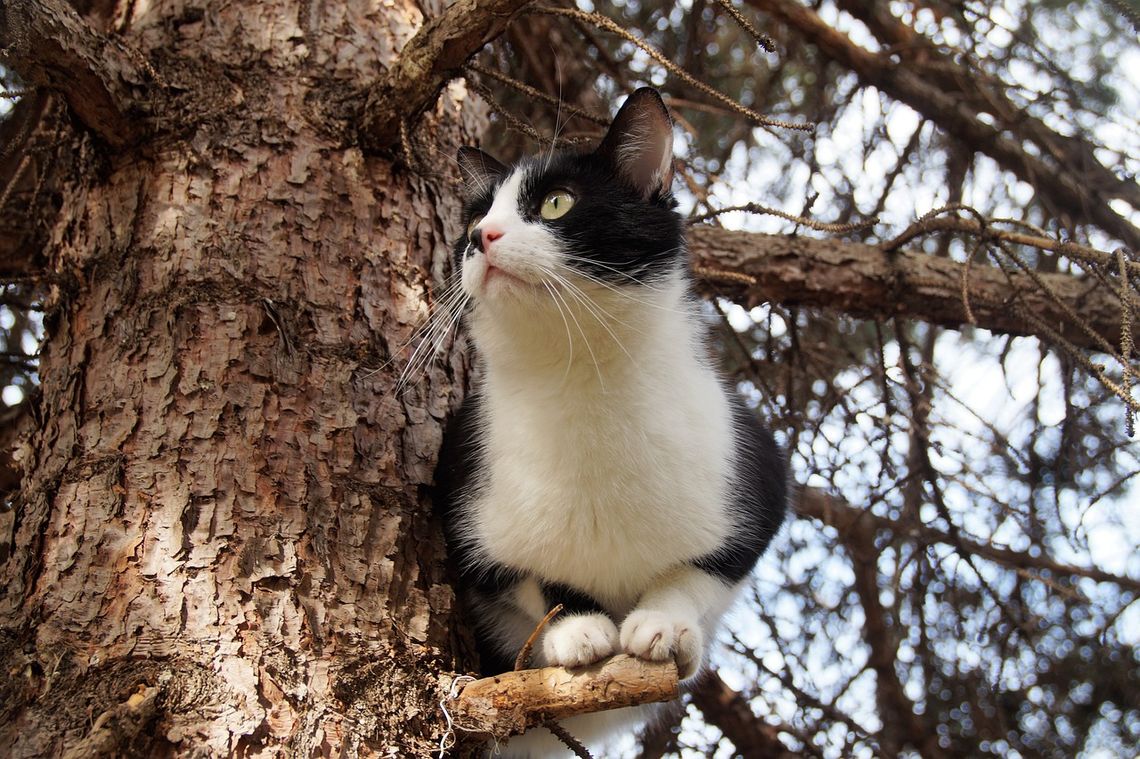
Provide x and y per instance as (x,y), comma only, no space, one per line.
(512,702)
(986,94)
(902,725)
(843,516)
(1056,180)
(865,280)
(728,710)
(433,57)
(50,45)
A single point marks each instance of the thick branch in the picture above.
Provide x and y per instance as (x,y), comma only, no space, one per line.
(433,57)
(512,702)
(866,281)
(48,43)
(1055,181)
(728,710)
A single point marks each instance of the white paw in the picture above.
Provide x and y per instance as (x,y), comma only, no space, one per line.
(657,636)
(578,640)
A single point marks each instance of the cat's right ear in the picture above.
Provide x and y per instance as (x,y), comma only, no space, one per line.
(639,143)
(479,170)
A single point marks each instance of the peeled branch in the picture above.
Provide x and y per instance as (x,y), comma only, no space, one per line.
(510,703)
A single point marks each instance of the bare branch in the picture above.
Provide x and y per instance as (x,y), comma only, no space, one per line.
(1074,251)
(728,710)
(607,24)
(842,516)
(1057,181)
(512,702)
(436,55)
(864,280)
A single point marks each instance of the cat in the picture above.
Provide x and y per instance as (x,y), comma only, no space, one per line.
(599,461)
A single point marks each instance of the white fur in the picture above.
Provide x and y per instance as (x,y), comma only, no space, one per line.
(608,448)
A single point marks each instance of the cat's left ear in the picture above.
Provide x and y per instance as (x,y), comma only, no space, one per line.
(640,142)
(479,170)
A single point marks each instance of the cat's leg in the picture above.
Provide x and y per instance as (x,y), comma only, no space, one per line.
(676,618)
(582,634)
(507,614)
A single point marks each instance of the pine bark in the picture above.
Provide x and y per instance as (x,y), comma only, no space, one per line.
(223,542)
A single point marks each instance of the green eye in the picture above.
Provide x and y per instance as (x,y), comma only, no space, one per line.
(556,204)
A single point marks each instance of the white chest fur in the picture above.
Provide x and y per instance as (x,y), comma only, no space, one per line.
(606,466)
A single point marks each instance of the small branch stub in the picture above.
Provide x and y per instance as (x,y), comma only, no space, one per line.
(512,702)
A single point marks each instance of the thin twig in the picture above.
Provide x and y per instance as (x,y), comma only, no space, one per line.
(763,40)
(513,122)
(524,653)
(927,224)
(724,275)
(609,25)
(756,208)
(531,92)
(571,742)
(1125,337)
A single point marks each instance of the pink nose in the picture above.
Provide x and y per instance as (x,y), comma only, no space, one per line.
(489,236)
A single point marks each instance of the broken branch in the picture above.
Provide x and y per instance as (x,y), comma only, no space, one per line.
(510,703)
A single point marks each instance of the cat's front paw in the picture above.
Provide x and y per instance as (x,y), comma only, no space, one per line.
(657,636)
(580,639)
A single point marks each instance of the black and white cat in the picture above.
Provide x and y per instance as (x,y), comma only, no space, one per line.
(599,462)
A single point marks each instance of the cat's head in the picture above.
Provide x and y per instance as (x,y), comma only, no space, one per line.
(604,218)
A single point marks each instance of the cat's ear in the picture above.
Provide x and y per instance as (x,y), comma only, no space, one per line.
(640,142)
(479,170)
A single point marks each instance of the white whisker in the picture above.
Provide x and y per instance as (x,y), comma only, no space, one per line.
(569,337)
(433,332)
(597,312)
(620,291)
(586,340)
(434,338)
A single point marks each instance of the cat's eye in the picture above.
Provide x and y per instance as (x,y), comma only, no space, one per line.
(473,223)
(556,204)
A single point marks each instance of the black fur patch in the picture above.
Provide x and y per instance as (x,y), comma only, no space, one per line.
(759,498)
(611,233)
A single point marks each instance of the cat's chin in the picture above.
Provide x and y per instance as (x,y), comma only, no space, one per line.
(497,282)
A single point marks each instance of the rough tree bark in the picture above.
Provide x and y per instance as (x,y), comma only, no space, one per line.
(222,539)
(222,542)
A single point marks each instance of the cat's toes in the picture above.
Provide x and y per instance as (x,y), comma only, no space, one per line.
(656,636)
(578,640)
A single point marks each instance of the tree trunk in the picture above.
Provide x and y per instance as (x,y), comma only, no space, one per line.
(223,539)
